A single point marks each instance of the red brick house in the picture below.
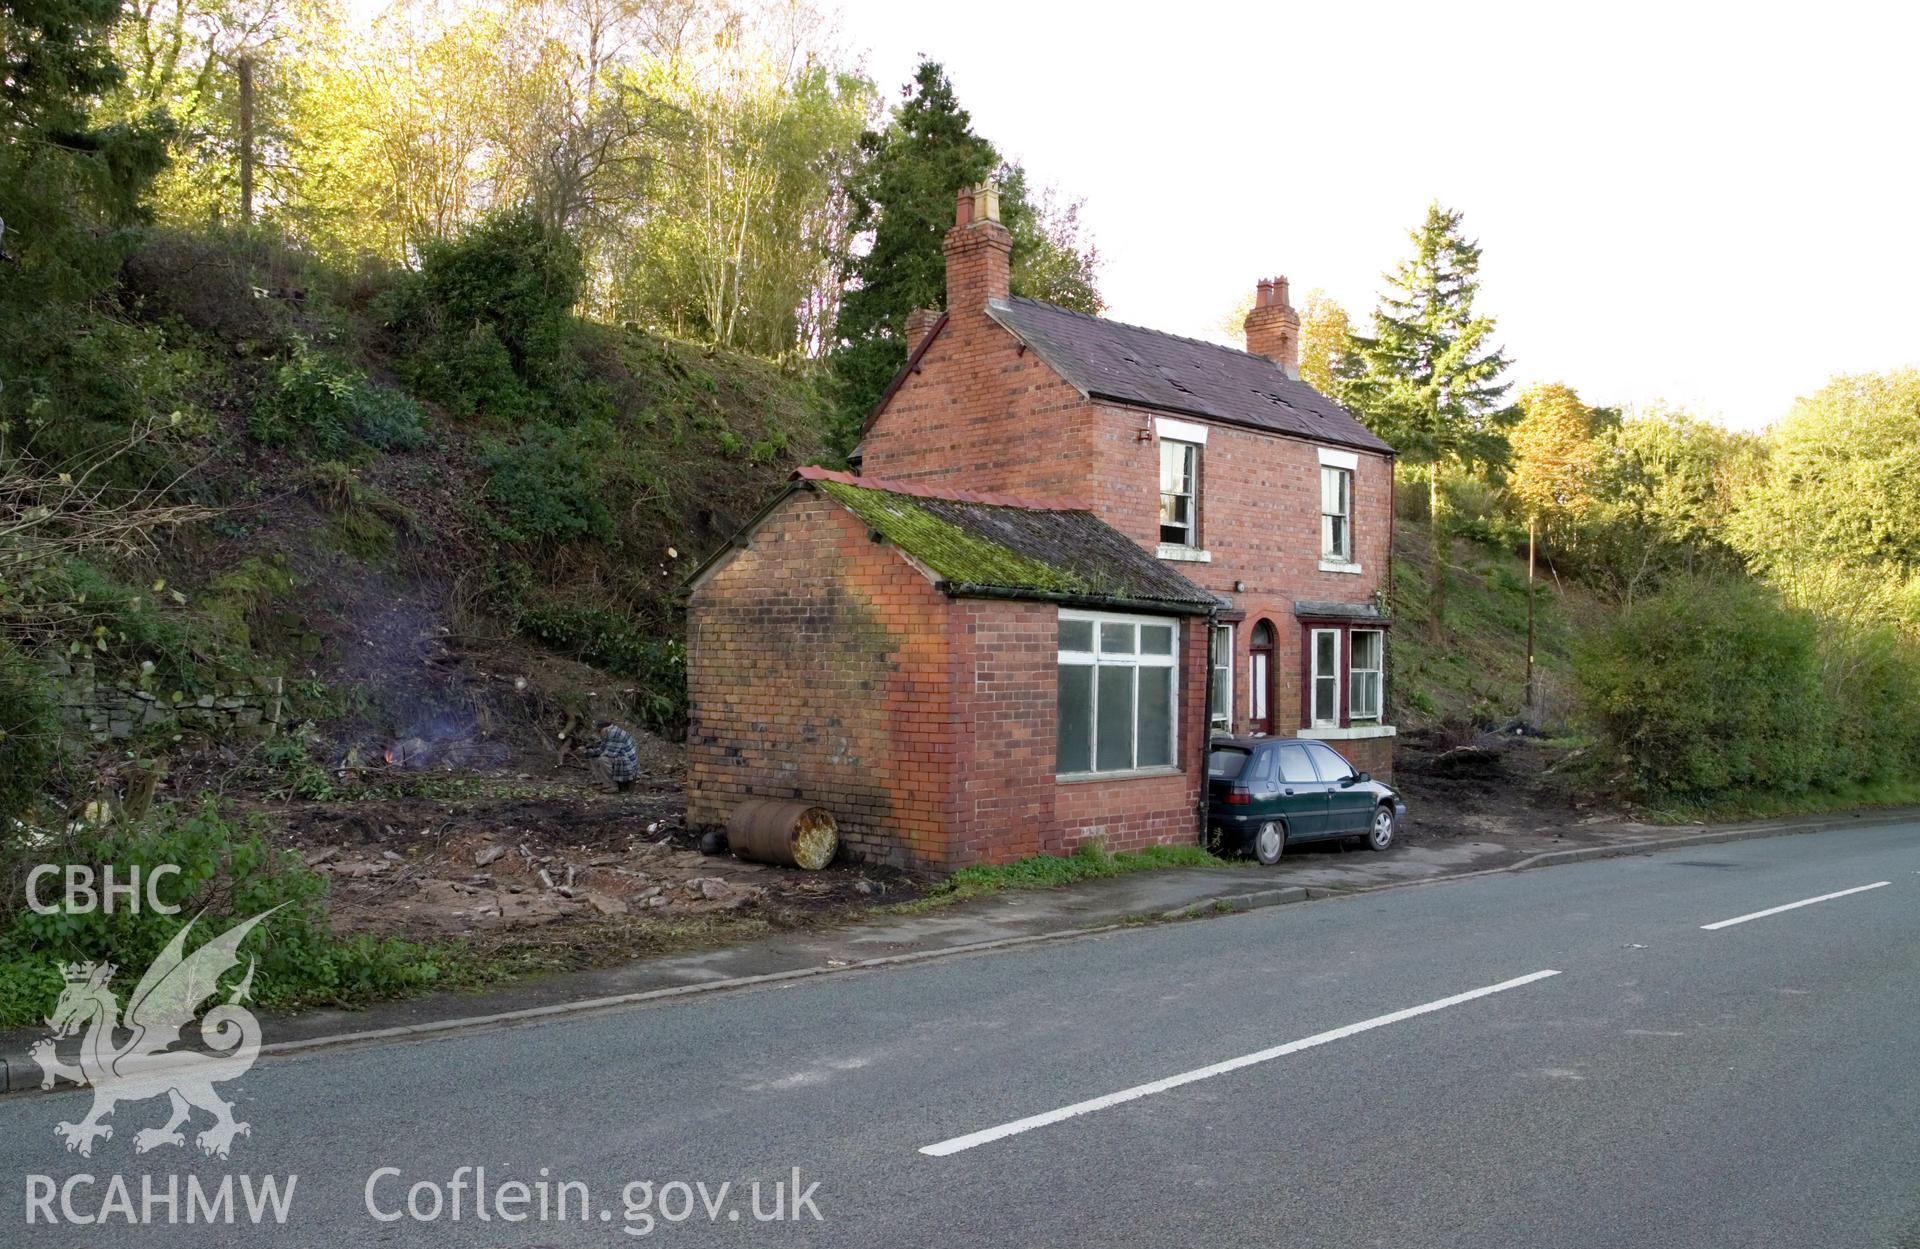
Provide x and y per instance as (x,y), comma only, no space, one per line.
(1219,467)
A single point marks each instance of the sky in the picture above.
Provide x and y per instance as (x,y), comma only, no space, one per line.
(1709,205)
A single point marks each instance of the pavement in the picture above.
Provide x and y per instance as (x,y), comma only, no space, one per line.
(1710,1044)
(989,922)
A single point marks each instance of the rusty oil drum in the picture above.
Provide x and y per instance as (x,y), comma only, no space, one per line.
(784,833)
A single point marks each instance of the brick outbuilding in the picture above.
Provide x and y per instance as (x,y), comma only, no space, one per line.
(955,675)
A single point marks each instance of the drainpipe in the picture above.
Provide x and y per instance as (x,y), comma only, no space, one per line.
(1206,727)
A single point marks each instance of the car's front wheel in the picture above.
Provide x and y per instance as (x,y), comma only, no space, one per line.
(1270,842)
(1380,835)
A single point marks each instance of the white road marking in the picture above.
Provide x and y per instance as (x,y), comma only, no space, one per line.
(986,1135)
(1794,906)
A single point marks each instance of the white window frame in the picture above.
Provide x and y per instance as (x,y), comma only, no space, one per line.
(1341,480)
(1192,496)
(1354,685)
(1315,676)
(1137,660)
(1349,463)
(1221,716)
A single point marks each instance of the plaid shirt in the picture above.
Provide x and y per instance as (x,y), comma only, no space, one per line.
(616,747)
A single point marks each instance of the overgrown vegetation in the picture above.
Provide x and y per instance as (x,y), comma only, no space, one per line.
(228,873)
(1711,690)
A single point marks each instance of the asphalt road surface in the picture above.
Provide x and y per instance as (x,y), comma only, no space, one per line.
(1577,1056)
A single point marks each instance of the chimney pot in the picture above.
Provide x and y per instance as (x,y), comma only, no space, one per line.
(1273,327)
(963,206)
(986,200)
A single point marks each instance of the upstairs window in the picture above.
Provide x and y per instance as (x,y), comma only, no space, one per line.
(1117,685)
(1179,493)
(1336,514)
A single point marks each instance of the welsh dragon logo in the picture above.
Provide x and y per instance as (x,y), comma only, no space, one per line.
(144,1065)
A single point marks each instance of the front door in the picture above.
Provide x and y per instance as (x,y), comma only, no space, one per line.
(1260,680)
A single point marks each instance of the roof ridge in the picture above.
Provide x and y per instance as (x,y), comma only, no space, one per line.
(1148,329)
(914,489)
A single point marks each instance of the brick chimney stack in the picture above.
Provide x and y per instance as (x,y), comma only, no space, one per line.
(979,250)
(919,323)
(1273,327)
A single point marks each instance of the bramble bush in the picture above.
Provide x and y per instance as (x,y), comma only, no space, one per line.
(29,735)
(609,640)
(488,323)
(325,405)
(549,484)
(228,873)
(1715,689)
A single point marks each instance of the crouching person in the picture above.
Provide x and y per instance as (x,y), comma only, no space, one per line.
(613,759)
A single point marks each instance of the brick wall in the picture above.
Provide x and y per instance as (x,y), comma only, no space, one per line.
(818,667)
(1260,523)
(981,415)
(1367,754)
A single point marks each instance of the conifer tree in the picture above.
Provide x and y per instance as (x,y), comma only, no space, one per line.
(1427,379)
(904,202)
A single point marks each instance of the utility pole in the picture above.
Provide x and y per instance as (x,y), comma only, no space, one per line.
(244,68)
(1533,525)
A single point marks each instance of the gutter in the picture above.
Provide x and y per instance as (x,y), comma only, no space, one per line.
(1066,598)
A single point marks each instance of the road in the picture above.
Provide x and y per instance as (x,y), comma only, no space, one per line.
(1392,1069)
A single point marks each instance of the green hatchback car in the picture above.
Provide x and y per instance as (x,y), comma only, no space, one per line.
(1266,793)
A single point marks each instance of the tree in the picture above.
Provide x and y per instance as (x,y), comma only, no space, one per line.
(1326,339)
(1553,460)
(1834,521)
(1050,260)
(187,58)
(392,137)
(903,204)
(1428,377)
(1664,486)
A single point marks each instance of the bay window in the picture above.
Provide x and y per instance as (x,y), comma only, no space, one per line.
(1324,687)
(1117,693)
(1220,695)
(1365,659)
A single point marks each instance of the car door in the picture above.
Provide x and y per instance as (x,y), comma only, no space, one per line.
(1303,795)
(1349,807)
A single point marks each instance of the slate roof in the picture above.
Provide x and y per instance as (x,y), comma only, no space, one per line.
(999,546)
(1132,364)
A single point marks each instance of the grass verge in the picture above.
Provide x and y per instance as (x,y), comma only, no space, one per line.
(1046,871)
(1742,807)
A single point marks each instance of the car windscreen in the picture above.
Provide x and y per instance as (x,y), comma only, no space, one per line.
(1225,762)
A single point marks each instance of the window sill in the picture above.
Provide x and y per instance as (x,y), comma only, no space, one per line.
(1189,554)
(1138,774)
(1338,565)
(1350,733)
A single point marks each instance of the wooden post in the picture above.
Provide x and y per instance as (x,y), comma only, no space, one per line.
(244,68)
(1533,524)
